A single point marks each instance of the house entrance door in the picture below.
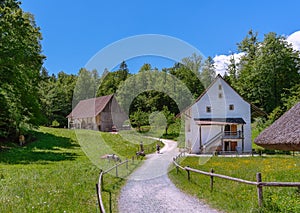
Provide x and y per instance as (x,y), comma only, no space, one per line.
(226,146)
(230,145)
(233,145)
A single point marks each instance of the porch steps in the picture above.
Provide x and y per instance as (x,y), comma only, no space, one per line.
(213,143)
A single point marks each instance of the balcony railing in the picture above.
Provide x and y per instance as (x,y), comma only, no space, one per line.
(233,134)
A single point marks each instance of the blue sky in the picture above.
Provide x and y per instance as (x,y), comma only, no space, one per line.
(74,31)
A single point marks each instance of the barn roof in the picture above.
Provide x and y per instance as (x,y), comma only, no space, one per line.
(284,133)
(90,107)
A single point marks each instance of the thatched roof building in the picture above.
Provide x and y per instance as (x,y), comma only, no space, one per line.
(284,133)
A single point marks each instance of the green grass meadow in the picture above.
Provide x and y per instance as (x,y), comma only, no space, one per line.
(58,171)
(230,196)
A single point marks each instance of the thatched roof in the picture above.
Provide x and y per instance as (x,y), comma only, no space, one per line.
(284,133)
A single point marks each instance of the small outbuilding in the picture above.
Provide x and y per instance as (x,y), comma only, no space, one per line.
(101,113)
(284,133)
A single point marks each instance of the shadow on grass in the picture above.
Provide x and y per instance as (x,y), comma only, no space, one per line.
(111,192)
(46,147)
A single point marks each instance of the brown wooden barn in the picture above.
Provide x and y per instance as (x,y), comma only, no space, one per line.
(101,113)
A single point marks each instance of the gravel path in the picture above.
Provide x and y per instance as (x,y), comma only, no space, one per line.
(150,190)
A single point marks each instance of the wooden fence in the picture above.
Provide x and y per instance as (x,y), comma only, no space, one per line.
(99,185)
(258,183)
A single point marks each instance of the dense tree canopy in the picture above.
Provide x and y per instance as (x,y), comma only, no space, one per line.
(56,94)
(20,64)
(110,81)
(267,70)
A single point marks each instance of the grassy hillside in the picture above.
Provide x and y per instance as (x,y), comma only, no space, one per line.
(236,197)
(53,174)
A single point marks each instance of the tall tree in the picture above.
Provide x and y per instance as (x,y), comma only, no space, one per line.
(193,63)
(170,118)
(191,79)
(232,70)
(56,94)
(110,81)
(20,64)
(249,45)
(208,73)
(123,71)
(139,118)
(86,85)
(267,69)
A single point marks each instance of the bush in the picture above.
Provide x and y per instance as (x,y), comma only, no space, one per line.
(55,123)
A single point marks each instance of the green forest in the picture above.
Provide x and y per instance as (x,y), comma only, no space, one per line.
(267,75)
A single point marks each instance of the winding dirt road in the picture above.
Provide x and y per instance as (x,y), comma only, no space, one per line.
(150,190)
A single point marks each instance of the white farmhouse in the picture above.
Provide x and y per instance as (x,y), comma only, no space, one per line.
(219,120)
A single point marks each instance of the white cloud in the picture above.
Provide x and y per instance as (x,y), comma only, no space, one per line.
(294,39)
(222,62)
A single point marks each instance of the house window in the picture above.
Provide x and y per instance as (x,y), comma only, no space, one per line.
(208,109)
(220,87)
(231,107)
(220,95)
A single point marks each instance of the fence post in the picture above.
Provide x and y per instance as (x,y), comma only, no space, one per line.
(97,190)
(126,163)
(132,159)
(117,170)
(101,180)
(212,180)
(259,189)
(188,172)
(174,159)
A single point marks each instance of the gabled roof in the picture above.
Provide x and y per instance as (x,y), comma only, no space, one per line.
(254,109)
(204,92)
(212,83)
(284,133)
(90,107)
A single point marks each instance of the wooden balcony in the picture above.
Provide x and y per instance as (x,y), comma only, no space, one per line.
(233,135)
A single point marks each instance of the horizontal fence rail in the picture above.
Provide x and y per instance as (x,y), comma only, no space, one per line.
(280,184)
(116,167)
(211,174)
(258,183)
